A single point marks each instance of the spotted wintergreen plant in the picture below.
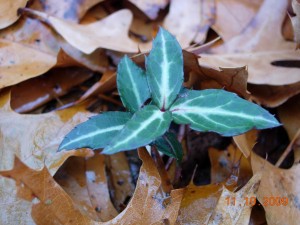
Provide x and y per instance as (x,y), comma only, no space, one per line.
(207,110)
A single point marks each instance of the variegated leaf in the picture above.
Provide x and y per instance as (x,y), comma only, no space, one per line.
(169,145)
(164,69)
(144,127)
(220,111)
(97,132)
(132,84)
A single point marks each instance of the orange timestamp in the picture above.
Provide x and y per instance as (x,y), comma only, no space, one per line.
(251,201)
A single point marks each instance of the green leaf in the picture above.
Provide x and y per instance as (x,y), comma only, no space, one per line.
(169,145)
(220,111)
(144,127)
(132,84)
(97,132)
(164,67)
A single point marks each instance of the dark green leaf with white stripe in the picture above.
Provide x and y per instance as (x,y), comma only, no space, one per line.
(164,69)
(97,132)
(169,145)
(220,111)
(144,127)
(132,84)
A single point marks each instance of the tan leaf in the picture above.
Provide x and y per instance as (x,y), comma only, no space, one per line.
(150,7)
(50,209)
(273,96)
(55,83)
(278,192)
(232,79)
(69,9)
(195,19)
(147,206)
(229,163)
(110,33)
(198,203)
(258,46)
(84,180)
(34,139)
(233,16)
(29,48)
(296,21)
(289,115)
(246,142)
(235,208)
(121,180)
(8,11)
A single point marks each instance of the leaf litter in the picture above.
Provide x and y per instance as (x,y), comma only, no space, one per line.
(240,48)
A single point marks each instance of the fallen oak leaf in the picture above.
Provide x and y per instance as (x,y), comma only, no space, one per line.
(29,48)
(8,12)
(69,9)
(35,139)
(195,20)
(105,33)
(245,142)
(84,180)
(278,192)
(273,96)
(236,13)
(289,115)
(150,7)
(235,207)
(121,179)
(55,83)
(232,79)
(149,205)
(258,50)
(296,22)
(229,163)
(198,202)
(42,186)
(56,205)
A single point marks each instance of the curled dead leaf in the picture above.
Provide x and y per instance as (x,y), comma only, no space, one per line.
(8,12)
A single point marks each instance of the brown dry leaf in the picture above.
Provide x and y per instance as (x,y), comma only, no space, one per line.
(289,114)
(273,96)
(55,83)
(71,10)
(195,20)
(121,180)
(84,180)
(229,163)
(147,206)
(233,208)
(296,22)
(50,209)
(232,79)
(278,186)
(245,142)
(109,33)
(8,11)
(29,48)
(233,16)
(150,7)
(34,139)
(198,203)
(258,46)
